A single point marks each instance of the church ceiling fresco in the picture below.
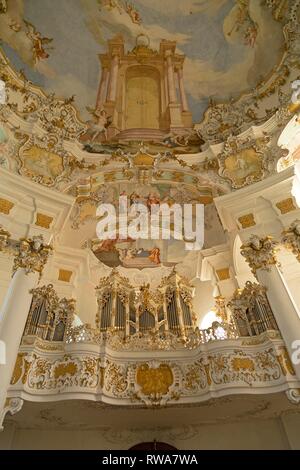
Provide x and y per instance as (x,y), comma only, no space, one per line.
(56,43)
(152,98)
(141,253)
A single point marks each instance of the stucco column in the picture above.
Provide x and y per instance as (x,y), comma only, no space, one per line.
(166,85)
(171,81)
(101,97)
(183,99)
(112,85)
(260,253)
(31,256)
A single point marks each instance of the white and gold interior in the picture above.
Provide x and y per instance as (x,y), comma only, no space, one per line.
(111,343)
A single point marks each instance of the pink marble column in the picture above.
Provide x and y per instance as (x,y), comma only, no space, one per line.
(171,81)
(112,86)
(183,99)
(101,97)
(166,86)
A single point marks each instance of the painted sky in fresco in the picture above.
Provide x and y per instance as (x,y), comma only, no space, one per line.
(227,50)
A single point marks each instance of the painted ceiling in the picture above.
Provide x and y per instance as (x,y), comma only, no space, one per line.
(241,57)
(230,45)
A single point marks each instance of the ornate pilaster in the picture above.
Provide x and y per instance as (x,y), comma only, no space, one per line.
(291,238)
(30,257)
(260,253)
(31,254)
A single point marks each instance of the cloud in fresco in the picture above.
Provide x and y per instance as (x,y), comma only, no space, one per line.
(106,23)
(184,7)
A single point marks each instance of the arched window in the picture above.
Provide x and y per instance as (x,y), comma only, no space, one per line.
(208,319)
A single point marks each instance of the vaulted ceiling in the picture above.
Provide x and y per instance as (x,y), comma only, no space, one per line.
(230,46)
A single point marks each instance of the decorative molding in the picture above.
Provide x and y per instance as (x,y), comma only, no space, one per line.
(12,405)
(5,206)
(223,274)
(247,220)
(64,275)
(43,220)
(293,395)
(44,159)
(291,238)
(31,254)
(154,382)
(246,160)
(126,379)
(286,205)
(4,238)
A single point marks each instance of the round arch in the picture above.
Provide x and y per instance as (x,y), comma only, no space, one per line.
(154,445)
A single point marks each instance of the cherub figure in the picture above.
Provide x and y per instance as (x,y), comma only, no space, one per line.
(251,35)
(38,42)
(133,13)
(99,124)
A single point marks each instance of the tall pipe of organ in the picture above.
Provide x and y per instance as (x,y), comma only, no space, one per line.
(121,307)
(49,317)
(129,310)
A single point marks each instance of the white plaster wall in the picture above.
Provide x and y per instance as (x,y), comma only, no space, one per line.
(276,433)
(203,300)
(5,274)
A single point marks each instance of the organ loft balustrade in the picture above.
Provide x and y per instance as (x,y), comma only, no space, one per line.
(146,348)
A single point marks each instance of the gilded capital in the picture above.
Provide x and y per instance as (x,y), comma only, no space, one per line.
(291,238)
(4,238)
(220,308)
(260,253)
(31,254)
